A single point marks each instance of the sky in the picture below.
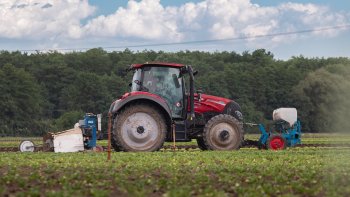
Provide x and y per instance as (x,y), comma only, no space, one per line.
(313,28)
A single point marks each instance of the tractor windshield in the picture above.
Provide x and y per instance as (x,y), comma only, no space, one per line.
(163,81)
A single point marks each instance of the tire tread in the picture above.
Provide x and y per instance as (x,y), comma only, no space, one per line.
(219,118)
(117,142)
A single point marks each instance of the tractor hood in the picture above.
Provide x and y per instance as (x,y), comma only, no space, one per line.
(215,104)
(210,103)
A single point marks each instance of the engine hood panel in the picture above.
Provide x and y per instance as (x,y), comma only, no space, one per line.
(210,103)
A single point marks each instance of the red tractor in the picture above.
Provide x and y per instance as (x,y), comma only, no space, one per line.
(163,105)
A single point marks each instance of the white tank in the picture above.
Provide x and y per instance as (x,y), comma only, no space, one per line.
(287,114)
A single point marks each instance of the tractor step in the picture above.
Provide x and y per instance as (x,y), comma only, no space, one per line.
(180,133)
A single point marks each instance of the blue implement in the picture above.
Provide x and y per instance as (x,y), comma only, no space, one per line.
(281,136)
(89,128)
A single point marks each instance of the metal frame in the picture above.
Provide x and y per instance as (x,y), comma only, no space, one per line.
(291,135)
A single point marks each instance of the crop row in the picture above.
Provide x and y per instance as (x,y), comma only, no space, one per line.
(248,172)
(308,138)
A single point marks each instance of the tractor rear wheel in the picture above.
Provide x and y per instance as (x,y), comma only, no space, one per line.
(138,127)
(276,142)
(223,132)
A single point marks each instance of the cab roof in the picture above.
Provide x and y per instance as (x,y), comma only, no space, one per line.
(135,66)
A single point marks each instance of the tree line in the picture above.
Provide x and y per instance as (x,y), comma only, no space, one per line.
(41,92)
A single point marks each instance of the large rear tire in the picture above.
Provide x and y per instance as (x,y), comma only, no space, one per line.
(223,132)
(139,127)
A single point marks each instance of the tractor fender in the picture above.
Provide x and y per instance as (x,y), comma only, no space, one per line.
(232,108)
(141,96)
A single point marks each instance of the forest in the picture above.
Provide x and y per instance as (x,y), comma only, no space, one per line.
(49,91)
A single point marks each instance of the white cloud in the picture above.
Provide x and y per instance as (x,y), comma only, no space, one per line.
(308,9)
(37,19)
(311,16)
(211,19)
(149,20)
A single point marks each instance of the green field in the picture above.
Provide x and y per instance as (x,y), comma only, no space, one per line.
(307,138)
(311,171)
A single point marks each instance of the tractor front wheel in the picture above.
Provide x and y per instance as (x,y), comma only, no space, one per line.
(223,132)
(139,127)
(276,142)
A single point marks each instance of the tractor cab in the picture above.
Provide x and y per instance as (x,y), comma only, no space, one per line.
(163,81)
